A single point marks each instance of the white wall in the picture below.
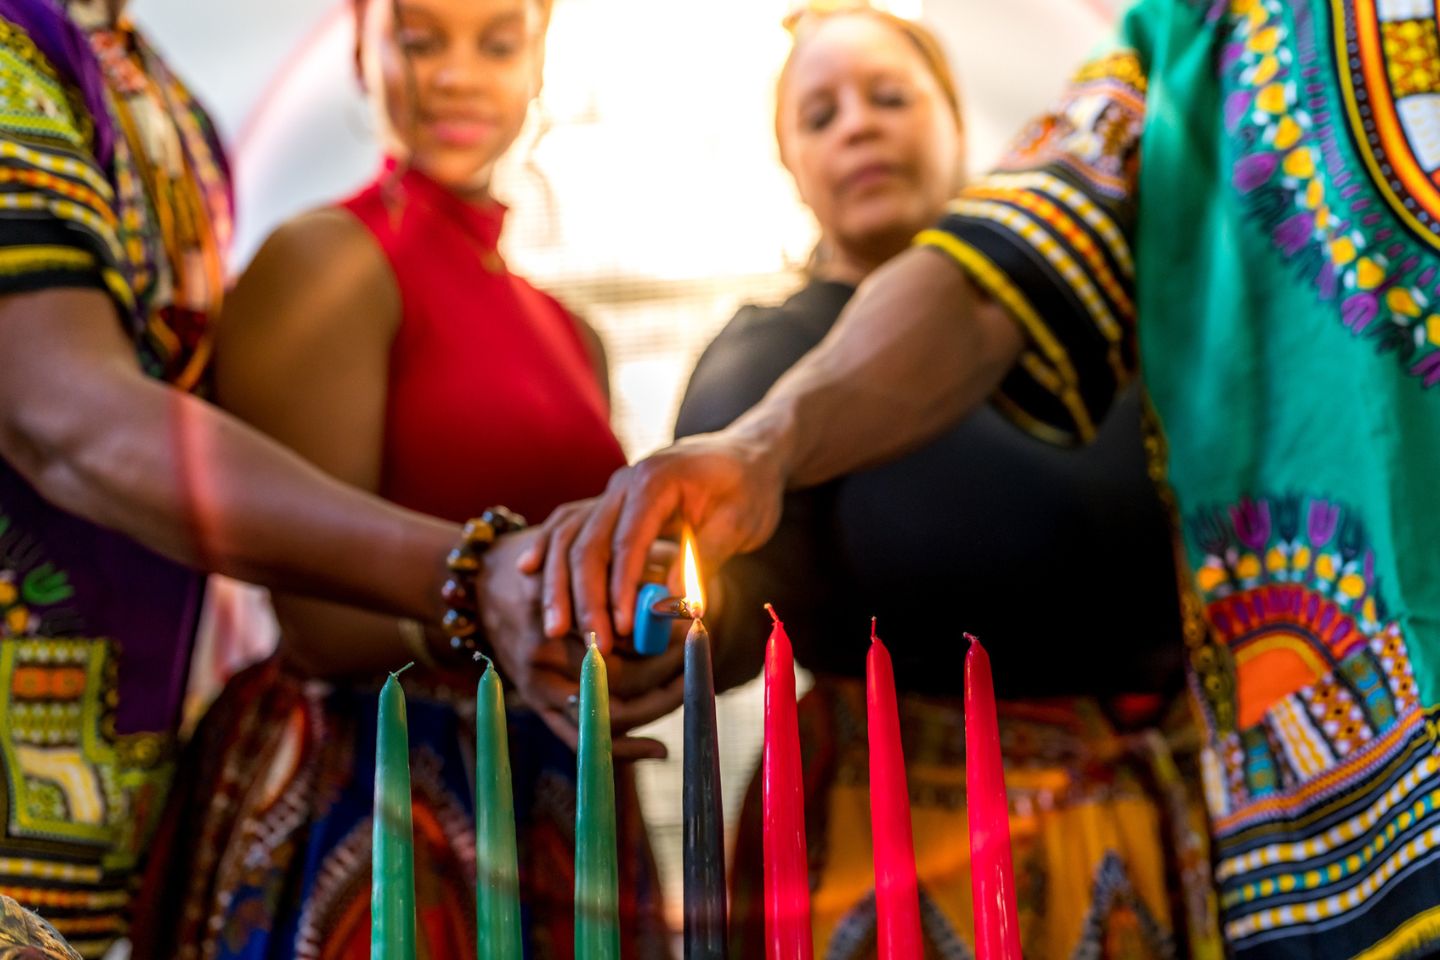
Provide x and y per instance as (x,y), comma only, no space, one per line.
(310,140)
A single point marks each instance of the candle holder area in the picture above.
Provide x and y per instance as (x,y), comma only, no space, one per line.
(789,927)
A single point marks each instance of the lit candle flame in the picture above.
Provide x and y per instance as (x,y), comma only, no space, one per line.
(694,591)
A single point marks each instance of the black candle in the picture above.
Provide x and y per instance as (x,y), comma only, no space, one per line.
(704,823)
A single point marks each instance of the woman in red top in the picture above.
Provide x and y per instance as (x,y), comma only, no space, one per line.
(385,340)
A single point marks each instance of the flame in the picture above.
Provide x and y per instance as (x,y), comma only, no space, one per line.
(694,590)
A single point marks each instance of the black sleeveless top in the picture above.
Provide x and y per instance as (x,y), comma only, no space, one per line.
(1059,559)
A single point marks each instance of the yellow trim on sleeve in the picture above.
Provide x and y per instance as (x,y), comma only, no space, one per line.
(14,260)
(998,285)
(1034,426)
(1420,929)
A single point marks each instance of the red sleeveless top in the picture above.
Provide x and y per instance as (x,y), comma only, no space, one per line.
(492,395)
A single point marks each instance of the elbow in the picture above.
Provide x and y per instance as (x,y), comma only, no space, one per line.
(73,399)
(41,441)
(70,444)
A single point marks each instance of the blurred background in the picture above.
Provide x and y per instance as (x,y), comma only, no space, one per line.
(647,194)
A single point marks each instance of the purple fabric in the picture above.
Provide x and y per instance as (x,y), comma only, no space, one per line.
(146,604)
(65,46)
(77,579)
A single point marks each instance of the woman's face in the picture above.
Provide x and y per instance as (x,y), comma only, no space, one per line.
(452,80)
(868,135)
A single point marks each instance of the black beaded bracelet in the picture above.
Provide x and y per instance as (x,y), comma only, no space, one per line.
(462,610)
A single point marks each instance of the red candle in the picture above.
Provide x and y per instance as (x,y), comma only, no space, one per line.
(897,895)
(787,871)
(992,877)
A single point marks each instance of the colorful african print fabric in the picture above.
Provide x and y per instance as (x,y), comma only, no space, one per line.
(1108,828)
(1240,200)
(110,179)
(267,854)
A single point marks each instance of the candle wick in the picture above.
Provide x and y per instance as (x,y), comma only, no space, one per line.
(478,656)
(972,638)
(874,638)
(396,673)
(773,615)
(594,640)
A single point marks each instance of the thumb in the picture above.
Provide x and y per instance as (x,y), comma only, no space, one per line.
(533,556)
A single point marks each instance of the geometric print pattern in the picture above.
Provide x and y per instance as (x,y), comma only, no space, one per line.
(856,934)
(78,799)
(1362,243)
(1046,236)
(1324,785)
(148,226)
(1412,56)
(1300,668)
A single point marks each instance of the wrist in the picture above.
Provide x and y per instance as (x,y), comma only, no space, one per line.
(766,439)
(460,592)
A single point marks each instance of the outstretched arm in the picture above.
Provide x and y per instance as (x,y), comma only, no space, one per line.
(1024,291)
(916,349)
(99,439)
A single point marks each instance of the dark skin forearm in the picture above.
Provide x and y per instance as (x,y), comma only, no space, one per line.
(92,434)
(335,640)
(917,349)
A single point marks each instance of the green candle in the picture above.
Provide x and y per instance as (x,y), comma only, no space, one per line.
(597,919)
(497,897)
(392,884)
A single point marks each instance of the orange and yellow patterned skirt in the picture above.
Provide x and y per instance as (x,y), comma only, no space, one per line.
(1108,830)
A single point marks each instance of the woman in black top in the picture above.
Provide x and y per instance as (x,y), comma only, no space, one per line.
(986,530)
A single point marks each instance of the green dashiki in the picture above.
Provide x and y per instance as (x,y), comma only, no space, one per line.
(1240,201)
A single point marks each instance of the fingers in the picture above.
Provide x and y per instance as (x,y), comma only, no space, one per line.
(561,725)
(550,695)
(649,504)
(559,658)
(555,585)
(549,688)
(647,707)
(664,556)
(557,710)
(621,748)
(638,748)
(589,558)
(533,556)
(632,675)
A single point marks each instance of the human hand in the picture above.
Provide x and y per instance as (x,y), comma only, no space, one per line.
(545,670)
(642,688)
(593,553)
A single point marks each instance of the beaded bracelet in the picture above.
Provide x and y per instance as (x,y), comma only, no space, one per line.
(462,610)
